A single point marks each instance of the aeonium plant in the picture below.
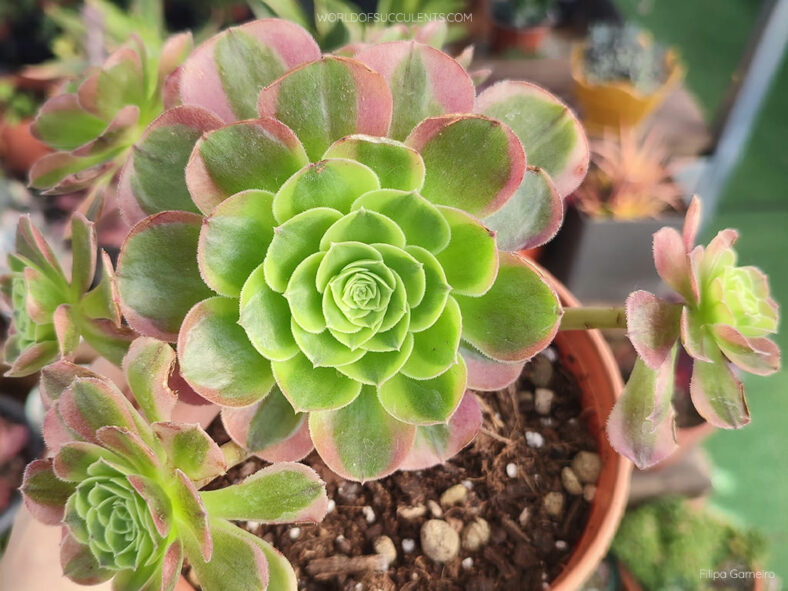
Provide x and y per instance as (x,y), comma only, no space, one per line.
(334,260)
(123,483)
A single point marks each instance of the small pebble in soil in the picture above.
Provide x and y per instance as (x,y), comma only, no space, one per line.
(467,563)
(561,545)
(408,545)
(554,504)
(412,513)
(439,540)
(570,481)
(541,371)
(534,439)
(525,515)
(369,514)
(294,533)
(454,495)
(551,355)
(543,400)
(587,465)
(511,470)
(476,534)
(384,546)
(349,491)
(435,509)
(467,484)
(331,506)
(589,492)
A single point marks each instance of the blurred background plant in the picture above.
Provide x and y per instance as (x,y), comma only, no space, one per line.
(524,13)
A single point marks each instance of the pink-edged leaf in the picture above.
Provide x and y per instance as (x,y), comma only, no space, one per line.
(718,395)
(270,429)
(159,504)
(153,178)
(238,562)
(31,359)
(186,497)
(66,329)
(641,424)
(693,334)
(437,443)
(120,129)
(56,377)
(758,355)
(217,359)
(106,338)
(62,172)
(73,459)
(424,82)
(361,441)
(486,374)
(31,245)
(129,446)
(674,264)
(79,564)
(147,367)
(192,450)
(225,74)
(328,99)
(653,326)
(691,223)
(271,154)
(531,216)
(472,162)
(83,252)
(89,404)
(56,432)
(282,493)
(45,494)
(719,253)
(551,135)
(174,51)
(517,317)
(157,276)
(63,124)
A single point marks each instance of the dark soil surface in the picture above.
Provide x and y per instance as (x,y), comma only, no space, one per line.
(506,476)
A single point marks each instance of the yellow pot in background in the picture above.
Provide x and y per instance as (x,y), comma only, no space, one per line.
(617,104)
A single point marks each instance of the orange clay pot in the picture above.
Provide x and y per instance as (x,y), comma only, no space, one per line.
(612,105)
(504,37)
(19,149)
(587,356)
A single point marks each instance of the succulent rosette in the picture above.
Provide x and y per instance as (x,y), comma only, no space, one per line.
(94,122)
(330,242)
(723,321)
(52,312)
(124,485)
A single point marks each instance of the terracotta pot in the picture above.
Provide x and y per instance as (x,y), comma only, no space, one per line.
(587,356)
(613,105)
(504,37)
(19,149)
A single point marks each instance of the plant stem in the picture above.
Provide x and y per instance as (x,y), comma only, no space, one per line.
(584,318)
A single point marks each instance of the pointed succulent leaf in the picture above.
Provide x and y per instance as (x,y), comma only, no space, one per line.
(532,215)
(157,501)
(333,183)
(473,163)
(396,165)
(361,441)
(80,564)
(160,576)
(717,394)
(486,374)
(550,133)
(759,356)
(693,334)
(66,329)
(73,459)
(45,494)
(63,172)
(234,238)
(153,178)
(56,377)
(84,252)
(216,357)
(434,444)
(421,222)
(32,245)
(653,326)
(328,99)
(470,260)
(225,74)
(63,124)
(193,517)
(281,493)
(127,445)
(270,429)
(674,264)
(691,223)
(272,153)
(641,425)
(310,388)
(89,404)
(517,317)
(424,82)
(106,338)
(158,277)
(31,359)
(173,53)
(435,348)
(192,450)
(147,368)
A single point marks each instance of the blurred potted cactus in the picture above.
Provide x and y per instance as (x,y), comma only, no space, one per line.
(520,24)
(321,250)
(621,75)
(629,193)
